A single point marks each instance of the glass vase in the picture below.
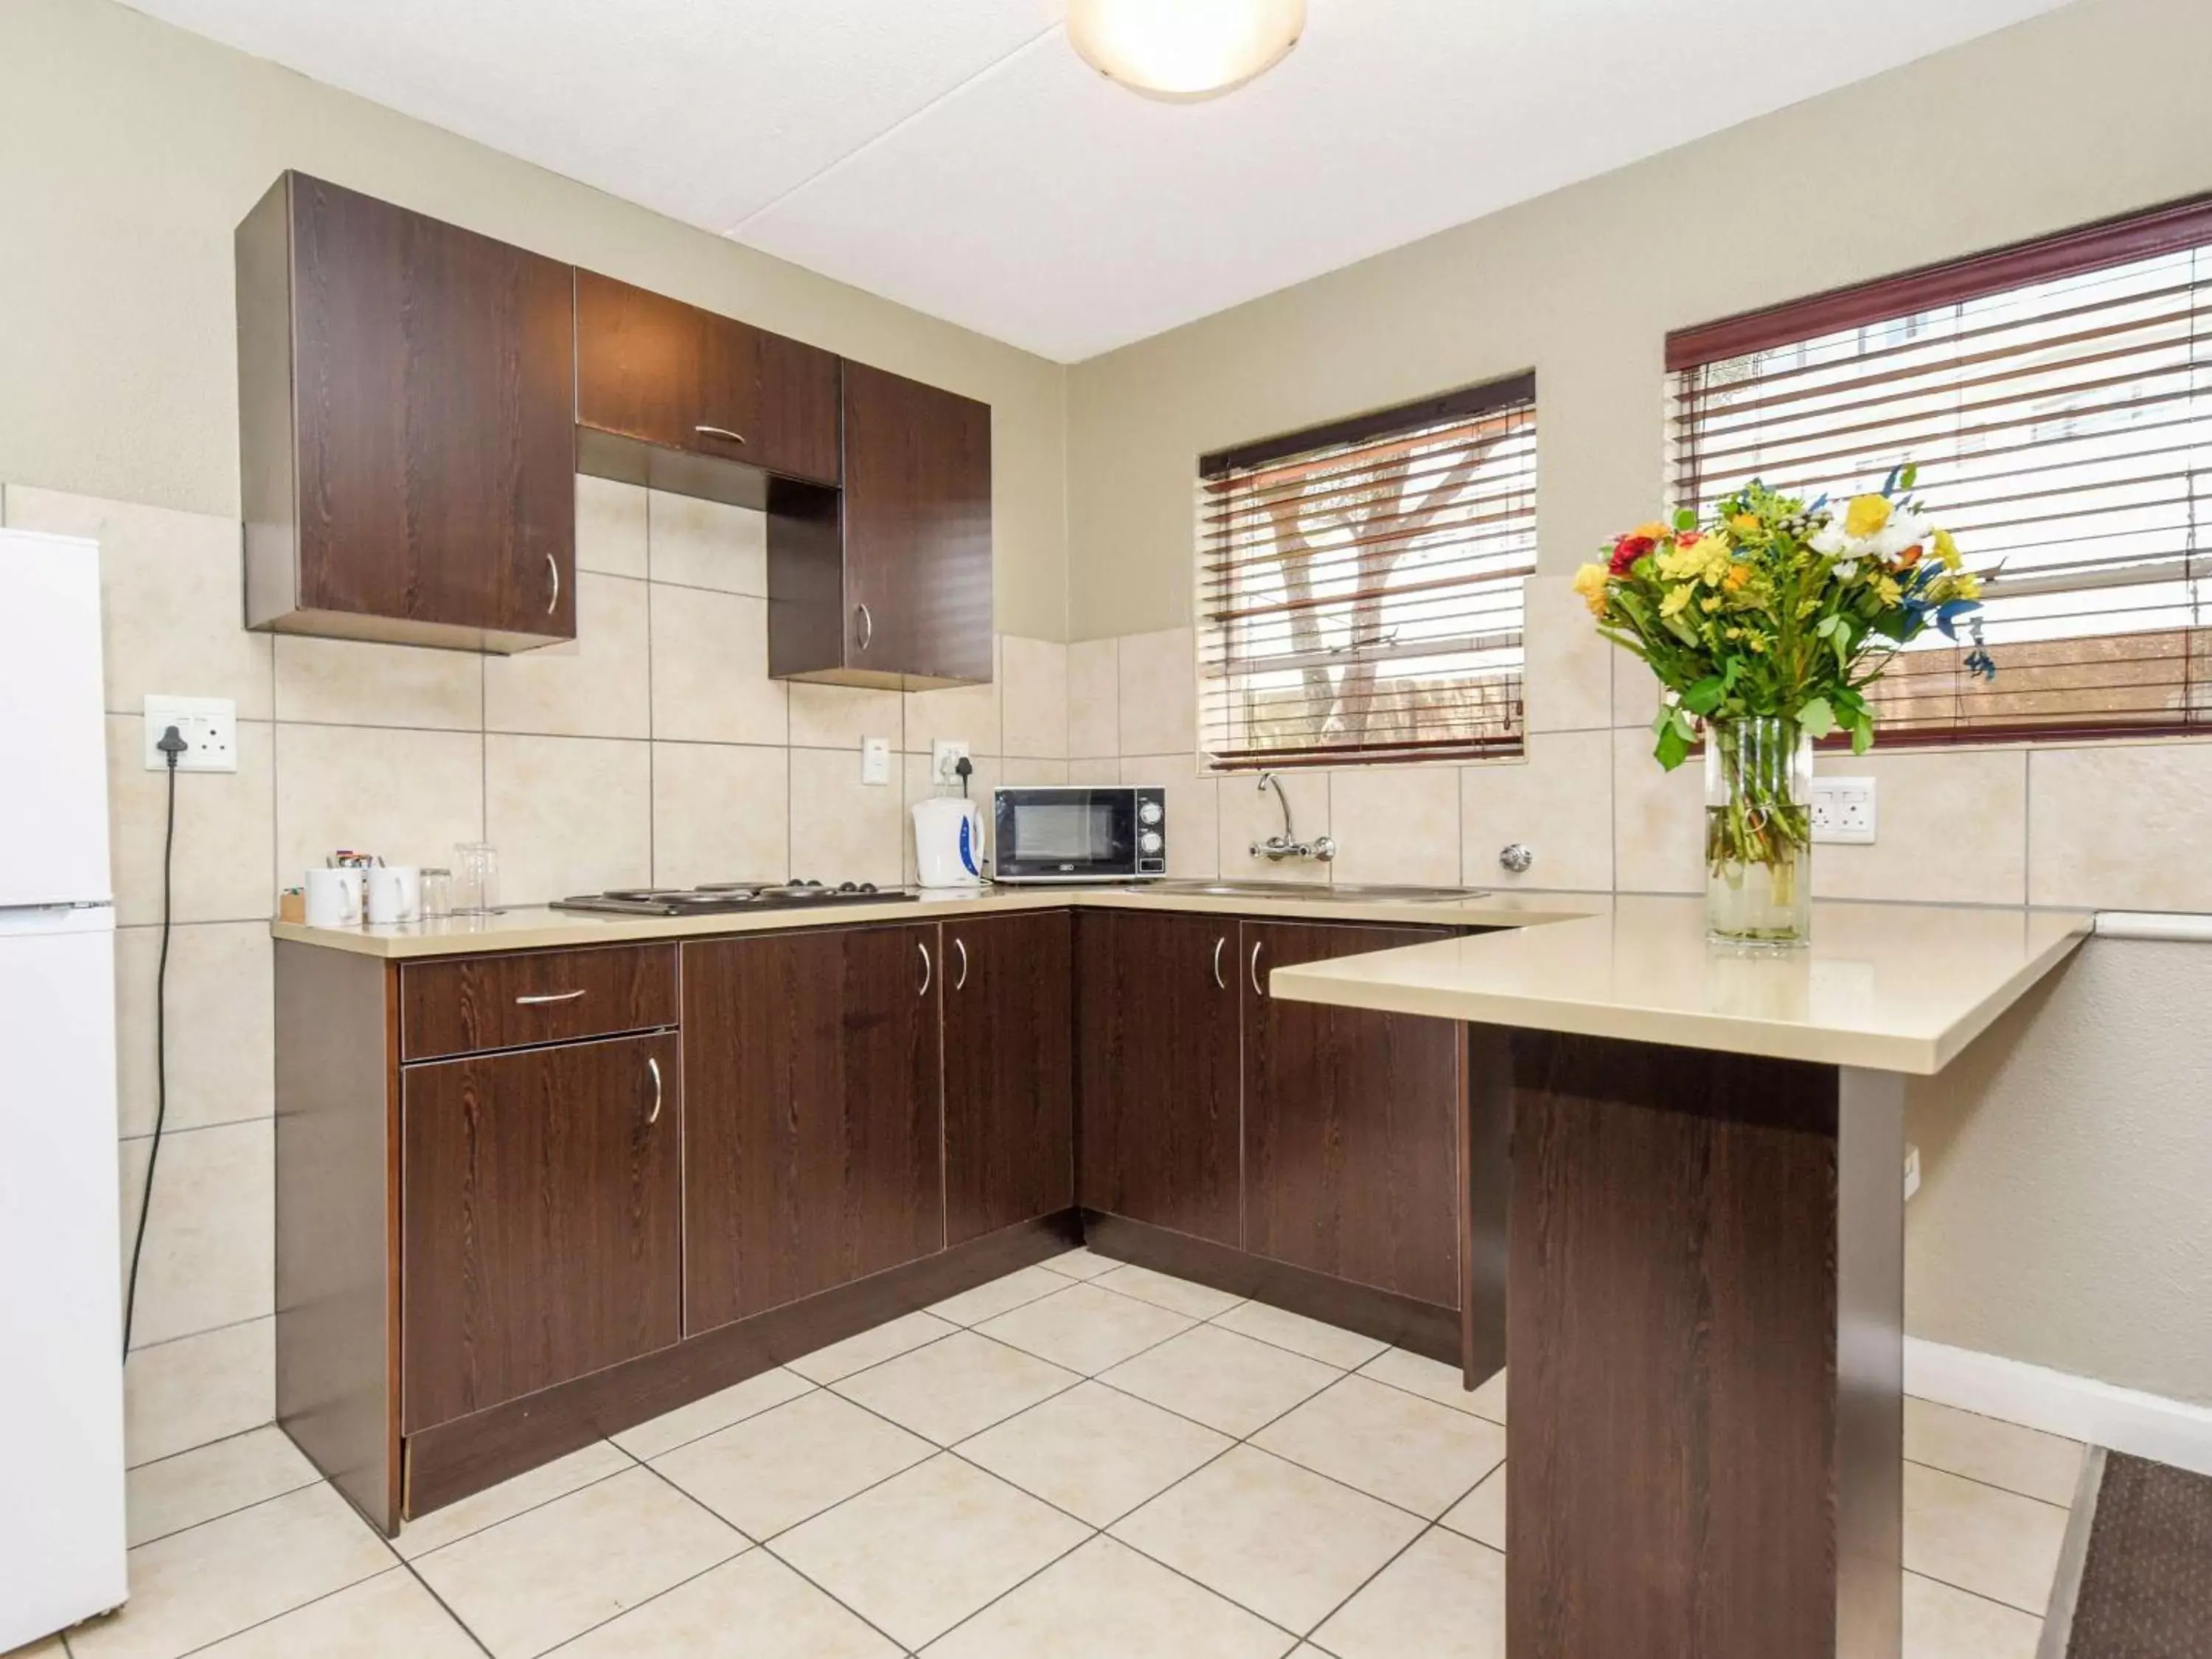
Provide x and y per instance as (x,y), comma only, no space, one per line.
(1758,831)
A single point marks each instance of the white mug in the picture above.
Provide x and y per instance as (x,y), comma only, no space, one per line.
(334,898)
(395,893)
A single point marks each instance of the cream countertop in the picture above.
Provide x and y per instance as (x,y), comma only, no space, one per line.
(1893,987)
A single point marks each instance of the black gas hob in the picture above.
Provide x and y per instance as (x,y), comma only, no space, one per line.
(730,898)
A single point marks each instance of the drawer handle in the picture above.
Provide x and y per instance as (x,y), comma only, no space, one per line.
(553,569)
(1219,945)
(543,998)
(1258,989)
(719,432)
(652,1066)
(927,970)
(961,946)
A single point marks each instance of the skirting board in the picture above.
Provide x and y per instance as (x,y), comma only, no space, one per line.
(2079,1408)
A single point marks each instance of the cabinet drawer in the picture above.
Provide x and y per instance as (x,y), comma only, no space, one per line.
(476,1003)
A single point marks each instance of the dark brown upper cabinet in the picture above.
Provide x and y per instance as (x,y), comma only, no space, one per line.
(406,402)
(888,583)
(682,399)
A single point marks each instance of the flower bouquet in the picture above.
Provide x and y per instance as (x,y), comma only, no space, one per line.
(1766,625)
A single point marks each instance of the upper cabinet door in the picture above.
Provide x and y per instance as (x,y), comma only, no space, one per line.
(660,372)
(406,393)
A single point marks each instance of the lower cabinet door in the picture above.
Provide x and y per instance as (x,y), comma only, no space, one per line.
(1009,1082)
(1350,1123)
(541,1194)
(812,1144)
(1155,1022)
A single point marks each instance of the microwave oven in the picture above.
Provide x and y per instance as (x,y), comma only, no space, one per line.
(1079,832)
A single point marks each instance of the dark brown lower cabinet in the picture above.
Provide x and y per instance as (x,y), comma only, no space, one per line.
(1350,1123)
(812,1140)
(1009,1111)
(1156,1070)
(542,1198)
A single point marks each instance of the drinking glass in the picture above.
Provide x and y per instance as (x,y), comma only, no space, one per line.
(437,893)
(475,878)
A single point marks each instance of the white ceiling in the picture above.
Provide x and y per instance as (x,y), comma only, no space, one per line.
(955,155)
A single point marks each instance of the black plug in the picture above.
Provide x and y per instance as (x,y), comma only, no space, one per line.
(172,743)
(966,769)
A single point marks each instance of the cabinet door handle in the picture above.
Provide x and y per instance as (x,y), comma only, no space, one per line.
(722,432)
(928,970)
(652,1066)
(1220,945)
(961,946)
(1258,989)
(543,998)
(866,619)
(553,569)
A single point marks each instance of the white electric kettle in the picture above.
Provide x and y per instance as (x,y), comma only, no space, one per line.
(948,843)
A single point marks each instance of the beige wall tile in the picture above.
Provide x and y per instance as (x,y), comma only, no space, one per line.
(1094,771)
(352,683)
(1193,811)
(223,851)
(699,543)
(1635,689)
(1094,699)
(1950,825)
(598,684)
(172,598)
(569,815)
(209,1260)
(1569,678)
(1395,823)
(406,796)
(840,716)
(719,813)
(2123,827)
(1012,770)
(222,1028)
(1034,673)
(1558,802)
(710,681)
(1248,815)
(1658,819)
(967,713)
(1157,697)
(842,829)
(610,526)
(198,1388)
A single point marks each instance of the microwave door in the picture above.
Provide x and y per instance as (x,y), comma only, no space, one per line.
(1066,835)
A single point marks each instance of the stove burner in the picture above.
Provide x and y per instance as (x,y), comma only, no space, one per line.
(729,898)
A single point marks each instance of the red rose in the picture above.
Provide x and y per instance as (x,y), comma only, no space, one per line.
(1627,550)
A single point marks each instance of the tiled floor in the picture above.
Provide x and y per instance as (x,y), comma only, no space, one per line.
(1080,1459)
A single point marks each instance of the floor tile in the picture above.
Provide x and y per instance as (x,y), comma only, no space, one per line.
(1222,1380)
(1995,1453)
(1346,1350)
(919,1553)
(390,1613)
(753,1607)
(771,1472)
(1080,1263)
(1433,1381)
(959,1387)
(1391,1444)
(1443,1599)
(1107,1601)
(1977,1537)
(197,1486)
(1943,1623)
(717,1411)
(1095,1452)
(216,1579)
(510,1498)
(1085,1328)
(1279,1539)
(1176,1295)
(528,1585)
(1481,1514)
(1000,1296)
(1488,1400)
(872,1347)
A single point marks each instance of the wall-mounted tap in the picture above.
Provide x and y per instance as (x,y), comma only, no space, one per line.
(1276,848)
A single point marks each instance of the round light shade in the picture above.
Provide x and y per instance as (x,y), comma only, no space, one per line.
(1183,50)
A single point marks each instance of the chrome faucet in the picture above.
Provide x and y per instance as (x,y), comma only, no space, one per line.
(1276,848)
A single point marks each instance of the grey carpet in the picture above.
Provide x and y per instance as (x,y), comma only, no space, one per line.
(2146,1588)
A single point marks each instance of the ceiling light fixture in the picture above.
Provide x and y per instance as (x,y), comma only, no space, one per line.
(1182,50)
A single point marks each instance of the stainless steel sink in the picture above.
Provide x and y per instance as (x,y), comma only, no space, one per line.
(1377,892)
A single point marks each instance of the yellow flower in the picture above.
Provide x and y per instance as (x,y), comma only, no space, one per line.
(1967,584)
(1705,559)
(1745,523)
(1590,583)
(1737,576)
(1677,600)
(1710,604)
(1888,590)
(1946,548)
(1657,531)
(1865,516)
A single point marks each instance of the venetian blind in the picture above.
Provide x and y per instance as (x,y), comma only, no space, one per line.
(2057,399)
(1359,586)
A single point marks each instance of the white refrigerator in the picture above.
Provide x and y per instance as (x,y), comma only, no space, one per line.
(61,1372)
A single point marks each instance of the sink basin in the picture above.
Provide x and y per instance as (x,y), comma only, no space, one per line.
(1382,892)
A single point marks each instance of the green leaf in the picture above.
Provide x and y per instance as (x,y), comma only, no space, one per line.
(1706,696)
(1673,747)
(1911,477)
(1686,518)
(1863,734)
(1817,716)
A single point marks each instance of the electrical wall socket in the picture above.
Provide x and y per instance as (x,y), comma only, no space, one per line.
(1844,811)
(945,755)
(209,726)
(1911,1169)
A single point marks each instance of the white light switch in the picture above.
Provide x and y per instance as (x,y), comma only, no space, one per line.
(209,726)
(875,760)
(1842,811)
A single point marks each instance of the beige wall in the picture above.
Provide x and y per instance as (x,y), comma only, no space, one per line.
(2057,1223)
(129,149)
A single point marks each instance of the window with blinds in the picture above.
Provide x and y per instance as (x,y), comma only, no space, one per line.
(1359,586)
(2057,399)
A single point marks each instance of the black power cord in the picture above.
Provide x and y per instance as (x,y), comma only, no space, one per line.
(172,744)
